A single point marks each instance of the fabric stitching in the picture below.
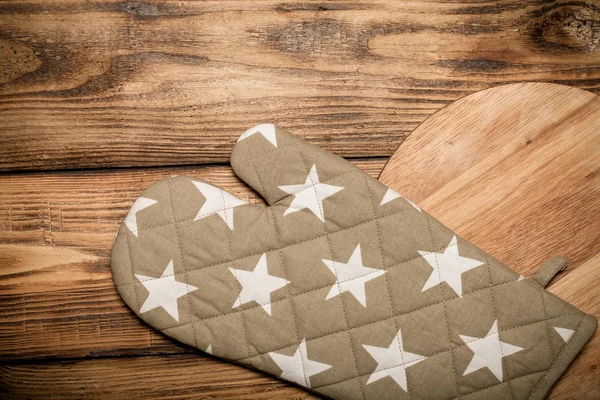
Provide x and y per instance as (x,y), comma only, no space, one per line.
(544,277)
(314,290)
(446,351)
(133,278)
(396,316)
(355,170)
(182,264)
(547,326)
(543,380)
(399,212)
(387,284)
(241,312)
(229,234)
(328,285)
(498,384)
(510,389)
(274,204)
(428,217)
(322,211)
(290,297)
(295,143)
(235,166)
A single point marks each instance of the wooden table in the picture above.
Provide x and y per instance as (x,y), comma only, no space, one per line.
(98,99)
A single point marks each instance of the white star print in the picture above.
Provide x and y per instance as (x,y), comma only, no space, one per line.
(139,205)
(352,277)
(209,349)
(267,130)
(310,194)
(257,285)
(391,194)
(565,334)
(298,368)
(392,361)
(217,202)
(164,291)
(448,267)
(489,352)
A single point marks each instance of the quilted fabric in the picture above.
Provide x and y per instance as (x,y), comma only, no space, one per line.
(341,285)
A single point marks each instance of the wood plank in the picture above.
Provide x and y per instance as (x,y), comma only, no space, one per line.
(162,377)
(57,297)
(126,83)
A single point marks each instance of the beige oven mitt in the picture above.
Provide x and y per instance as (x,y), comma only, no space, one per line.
(340,285)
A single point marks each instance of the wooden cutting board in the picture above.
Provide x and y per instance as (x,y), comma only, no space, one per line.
(516,170)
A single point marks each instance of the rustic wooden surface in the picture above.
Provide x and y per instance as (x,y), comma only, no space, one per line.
(514,170)
(108,83)
(166,87)
(158,377)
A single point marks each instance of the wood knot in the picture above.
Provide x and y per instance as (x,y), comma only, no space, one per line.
(140,9)
(16,60)
(567,28)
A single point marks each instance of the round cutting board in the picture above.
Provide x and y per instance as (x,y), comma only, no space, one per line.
(516,170)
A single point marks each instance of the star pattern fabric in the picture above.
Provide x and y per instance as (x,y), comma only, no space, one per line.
(352,276)
(310,194)
(298,368)
(392,361)
(448,267)
(565,333)
(342,338)
(391,194)
(217,202)
(257,285)
(164,291)
(131,219)
(267,130)
(488,352)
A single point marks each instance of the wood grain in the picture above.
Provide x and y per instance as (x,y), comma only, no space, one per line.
(145,83)
(117,83)
(57,297)
(162,377)
(515,170)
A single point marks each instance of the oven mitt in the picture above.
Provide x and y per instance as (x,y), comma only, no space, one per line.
(340,285)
